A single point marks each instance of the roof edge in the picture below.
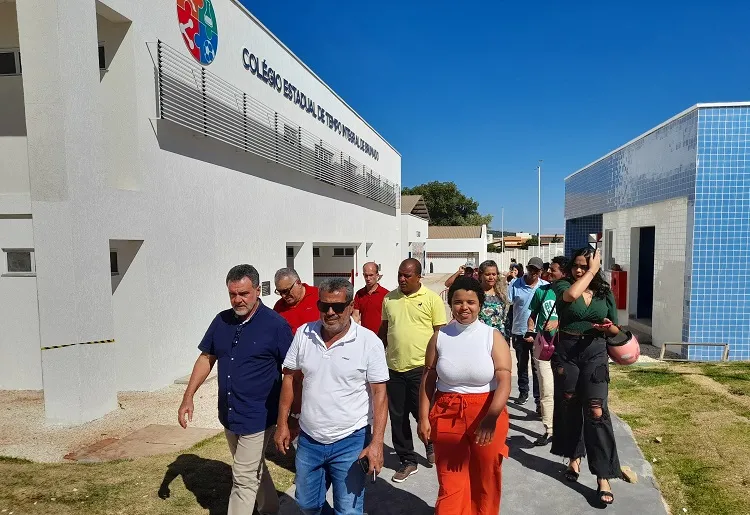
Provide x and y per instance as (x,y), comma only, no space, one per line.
(654,129)
(300,61)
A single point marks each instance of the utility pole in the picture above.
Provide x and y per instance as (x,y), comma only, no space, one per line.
(539,213)
(502,230)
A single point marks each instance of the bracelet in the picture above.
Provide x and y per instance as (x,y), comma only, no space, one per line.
(295,416)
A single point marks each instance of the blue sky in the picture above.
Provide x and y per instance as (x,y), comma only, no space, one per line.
(478,92)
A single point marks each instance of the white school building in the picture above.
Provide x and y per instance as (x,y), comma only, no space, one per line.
(147,147)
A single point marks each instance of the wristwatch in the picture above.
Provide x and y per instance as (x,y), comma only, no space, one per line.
(295,416)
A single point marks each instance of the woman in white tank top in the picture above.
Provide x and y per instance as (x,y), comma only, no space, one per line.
(463,394)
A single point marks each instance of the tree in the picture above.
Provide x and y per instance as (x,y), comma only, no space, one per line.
(531,242)
(447,205)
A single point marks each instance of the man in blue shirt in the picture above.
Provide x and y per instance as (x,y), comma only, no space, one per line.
(520,293)
(250,342)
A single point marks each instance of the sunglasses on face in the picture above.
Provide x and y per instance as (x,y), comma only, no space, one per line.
(585,268)
(338,307)
(285,291)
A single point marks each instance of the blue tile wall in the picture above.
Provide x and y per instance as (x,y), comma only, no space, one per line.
(654,168)
(720,280)
(577,231)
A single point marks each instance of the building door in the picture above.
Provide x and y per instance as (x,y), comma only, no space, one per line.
(646,246)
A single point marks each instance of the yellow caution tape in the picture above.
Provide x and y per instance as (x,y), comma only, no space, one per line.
(80,343)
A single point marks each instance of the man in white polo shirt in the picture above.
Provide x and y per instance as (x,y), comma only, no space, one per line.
(344,404)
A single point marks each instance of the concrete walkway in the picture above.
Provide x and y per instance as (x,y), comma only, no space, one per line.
(533,481)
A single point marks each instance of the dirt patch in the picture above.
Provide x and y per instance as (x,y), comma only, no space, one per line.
(24,432)
(696,376)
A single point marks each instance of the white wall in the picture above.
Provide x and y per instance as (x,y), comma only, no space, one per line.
(14,165)
(522,256)
(198,205)
(413,229)
(670,220)
(20,365)
(443,265)
(328,263)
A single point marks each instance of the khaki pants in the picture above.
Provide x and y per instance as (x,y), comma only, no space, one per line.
(546,392)
(250,477)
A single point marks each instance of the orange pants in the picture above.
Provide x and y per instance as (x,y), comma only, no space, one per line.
(470,476)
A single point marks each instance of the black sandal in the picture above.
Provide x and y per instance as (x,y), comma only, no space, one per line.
(570,474)
(605,496)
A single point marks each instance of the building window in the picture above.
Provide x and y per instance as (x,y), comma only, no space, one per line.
(343,251)
(19,262)
(290,252)
(102,57)
(290,135)
(324,165)
(10,62)
(114,266)
(316,251)
(419,233)
(265,288)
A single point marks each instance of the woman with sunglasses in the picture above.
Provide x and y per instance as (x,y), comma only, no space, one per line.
(462,398)
(586,316)
(495,305)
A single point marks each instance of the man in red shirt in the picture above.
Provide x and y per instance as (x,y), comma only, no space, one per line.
(299,301)
(368,301)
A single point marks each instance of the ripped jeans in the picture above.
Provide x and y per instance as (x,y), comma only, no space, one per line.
(581,417)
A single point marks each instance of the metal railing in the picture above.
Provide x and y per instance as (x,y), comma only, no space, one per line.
(196,99)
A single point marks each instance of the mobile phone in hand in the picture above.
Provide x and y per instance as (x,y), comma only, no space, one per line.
(530,334)
(364,462)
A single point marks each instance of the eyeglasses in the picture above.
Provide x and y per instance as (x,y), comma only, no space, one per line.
(585,268)
(338,307)
(285,292)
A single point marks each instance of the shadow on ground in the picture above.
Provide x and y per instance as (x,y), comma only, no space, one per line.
(381,498)
(553,470)
(210,481)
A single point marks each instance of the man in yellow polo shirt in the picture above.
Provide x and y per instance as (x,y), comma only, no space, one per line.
(411,315)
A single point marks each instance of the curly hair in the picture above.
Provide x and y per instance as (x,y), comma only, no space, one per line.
(599,284)
(469,284)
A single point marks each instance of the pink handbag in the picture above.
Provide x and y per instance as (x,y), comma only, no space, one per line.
(544,348)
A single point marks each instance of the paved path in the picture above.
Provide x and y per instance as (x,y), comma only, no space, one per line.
(532,479)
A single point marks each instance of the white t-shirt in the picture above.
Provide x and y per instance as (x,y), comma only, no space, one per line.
(335,392)
(465,358)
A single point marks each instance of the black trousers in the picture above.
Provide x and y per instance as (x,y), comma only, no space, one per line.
(524,353)
(403,400)
(581,370)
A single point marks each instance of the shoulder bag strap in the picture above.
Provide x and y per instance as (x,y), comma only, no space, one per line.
(541,306)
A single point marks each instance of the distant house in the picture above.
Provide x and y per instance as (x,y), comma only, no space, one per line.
(452,246)
(520,239)
(414,220)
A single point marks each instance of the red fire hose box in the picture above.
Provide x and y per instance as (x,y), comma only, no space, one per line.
(620,288)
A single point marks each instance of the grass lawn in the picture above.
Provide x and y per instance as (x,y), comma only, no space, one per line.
(702,461)
(198,479)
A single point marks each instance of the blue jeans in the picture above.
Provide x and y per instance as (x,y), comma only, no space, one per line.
(321,465)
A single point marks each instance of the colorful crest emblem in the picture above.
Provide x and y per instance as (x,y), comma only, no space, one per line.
(199,29)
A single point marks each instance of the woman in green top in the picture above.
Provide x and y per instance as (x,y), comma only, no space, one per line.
(586,316)
(495,305)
